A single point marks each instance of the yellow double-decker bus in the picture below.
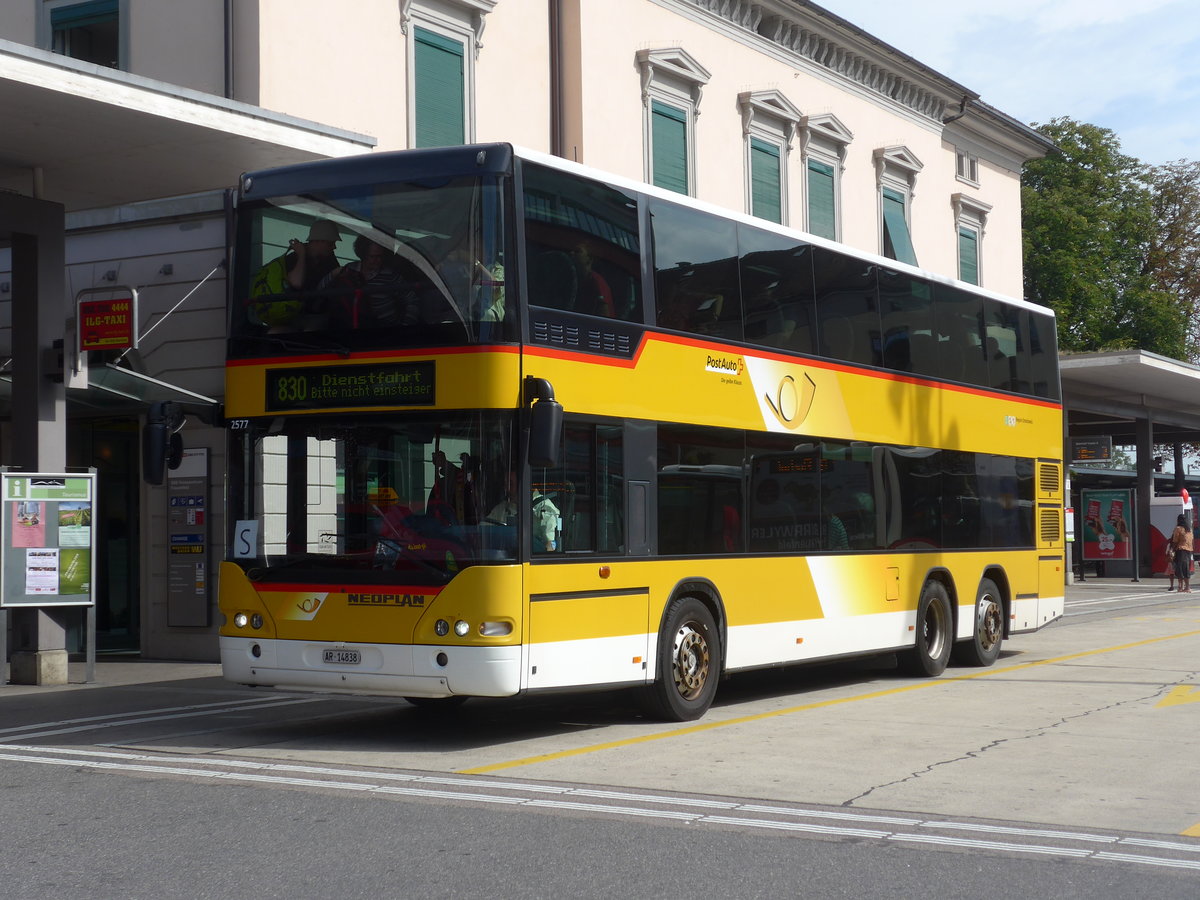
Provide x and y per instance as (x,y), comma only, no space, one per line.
(499,423)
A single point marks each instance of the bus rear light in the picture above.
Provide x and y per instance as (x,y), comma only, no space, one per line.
(495,629)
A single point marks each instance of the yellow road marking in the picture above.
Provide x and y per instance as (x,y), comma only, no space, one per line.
(874,695)
(1194,831)
(1184,693)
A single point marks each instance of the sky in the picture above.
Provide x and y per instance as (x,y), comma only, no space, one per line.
(1131,67)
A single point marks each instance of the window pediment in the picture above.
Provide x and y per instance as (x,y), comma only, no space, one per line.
(968,207)
(672,66)
(773,108)
(829,127)
(898,163)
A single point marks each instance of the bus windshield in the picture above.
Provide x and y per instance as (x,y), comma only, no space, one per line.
(375,498)
(371,266)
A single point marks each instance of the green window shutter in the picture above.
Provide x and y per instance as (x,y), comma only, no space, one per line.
(440,90)
(968,256)
(766,194)
(822,215)
(80,15)
(668,141)
(897,243)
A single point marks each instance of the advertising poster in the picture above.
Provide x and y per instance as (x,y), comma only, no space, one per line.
(1107,518)
(47,543)
(28,529)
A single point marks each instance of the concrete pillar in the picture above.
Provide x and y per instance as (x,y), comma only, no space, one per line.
(40,309)
(1145,490)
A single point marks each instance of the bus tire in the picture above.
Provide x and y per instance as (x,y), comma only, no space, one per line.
(983,648)
(935,633)
(689,662)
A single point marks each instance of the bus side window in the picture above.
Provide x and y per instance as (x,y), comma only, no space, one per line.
(847,308)
(696,275)
(584,246)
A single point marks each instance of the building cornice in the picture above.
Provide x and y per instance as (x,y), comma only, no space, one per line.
(806,32)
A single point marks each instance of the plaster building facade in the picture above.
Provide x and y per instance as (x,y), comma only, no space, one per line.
(135,116)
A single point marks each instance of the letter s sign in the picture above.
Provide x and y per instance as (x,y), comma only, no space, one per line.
(245,539)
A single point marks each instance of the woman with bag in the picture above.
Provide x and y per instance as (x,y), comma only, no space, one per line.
(1180,546)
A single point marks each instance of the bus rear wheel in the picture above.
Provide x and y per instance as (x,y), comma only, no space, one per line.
(689,662)
(983,648)
(935,633)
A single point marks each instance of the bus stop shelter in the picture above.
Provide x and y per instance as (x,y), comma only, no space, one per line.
(79,136)
(1137,399)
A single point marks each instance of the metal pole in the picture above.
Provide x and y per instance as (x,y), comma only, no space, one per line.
(89,667)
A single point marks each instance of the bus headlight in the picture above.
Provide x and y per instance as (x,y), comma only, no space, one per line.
(441,628)
(256,621)
(461,628)
(240,620)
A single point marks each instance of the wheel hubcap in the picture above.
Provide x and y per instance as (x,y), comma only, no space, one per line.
(691,661)
(988,626)
(934,628)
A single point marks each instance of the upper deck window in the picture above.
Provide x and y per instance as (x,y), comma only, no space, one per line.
(370,267)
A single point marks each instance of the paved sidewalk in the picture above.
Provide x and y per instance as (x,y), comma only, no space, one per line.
(118,670)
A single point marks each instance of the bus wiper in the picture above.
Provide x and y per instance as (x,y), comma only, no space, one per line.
(288,343)
(400,548)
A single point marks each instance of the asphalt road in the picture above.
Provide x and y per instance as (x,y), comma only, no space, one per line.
(1066,768)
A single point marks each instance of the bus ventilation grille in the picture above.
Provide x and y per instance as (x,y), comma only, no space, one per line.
(1048,479)
(1049,525)
(592,340)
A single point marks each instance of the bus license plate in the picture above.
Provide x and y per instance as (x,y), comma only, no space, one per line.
(343,657)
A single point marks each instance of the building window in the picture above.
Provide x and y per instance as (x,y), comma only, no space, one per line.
(672,83)
(822,199)
(769,122)
(444,40)
(897,241)
(970,218)
(968,254)
(824,140)
(439,71)
(896,170)
(669,147)
(766,180)
(88,31)
(967,167)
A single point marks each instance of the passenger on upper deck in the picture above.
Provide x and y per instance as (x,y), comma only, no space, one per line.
(301,268)
(376,294)
(309,262)
(593,296)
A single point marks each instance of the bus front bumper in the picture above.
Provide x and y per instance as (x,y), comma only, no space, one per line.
(385,669)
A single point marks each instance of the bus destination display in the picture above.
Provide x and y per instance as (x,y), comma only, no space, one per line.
(333,387)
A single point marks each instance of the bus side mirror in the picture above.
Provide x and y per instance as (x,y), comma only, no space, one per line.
(545,423)
(545,433)
(162,444)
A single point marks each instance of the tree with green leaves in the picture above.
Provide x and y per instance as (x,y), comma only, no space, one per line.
(1173,261)
(1089,225)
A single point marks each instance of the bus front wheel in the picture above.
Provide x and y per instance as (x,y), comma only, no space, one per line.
(983,648)
(935,633)
(689,662)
